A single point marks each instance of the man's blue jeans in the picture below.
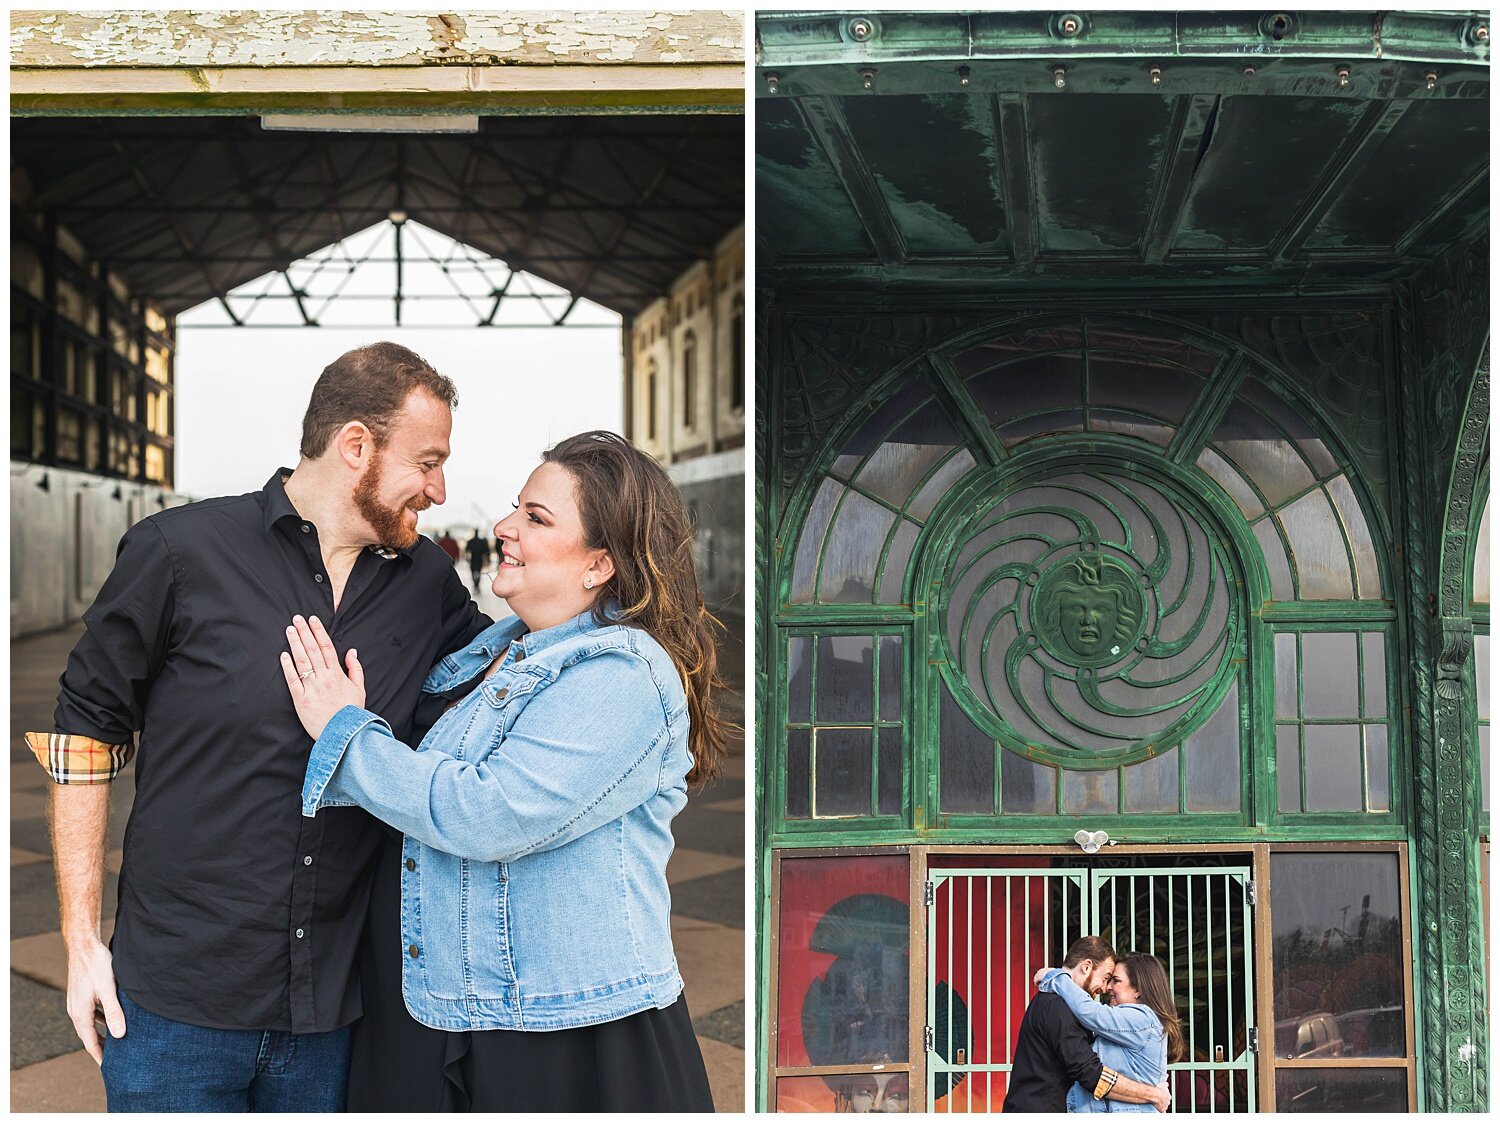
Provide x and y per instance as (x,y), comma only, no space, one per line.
(162,1065)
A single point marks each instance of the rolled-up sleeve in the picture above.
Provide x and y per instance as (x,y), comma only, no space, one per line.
(102,697)
(586,750)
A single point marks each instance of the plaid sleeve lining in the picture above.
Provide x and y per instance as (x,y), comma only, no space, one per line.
(1107,1078)
(71,758)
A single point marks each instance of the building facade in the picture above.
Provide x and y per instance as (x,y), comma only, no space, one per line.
(1122,546)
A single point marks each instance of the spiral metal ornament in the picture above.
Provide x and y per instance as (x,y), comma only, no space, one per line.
(1090,618)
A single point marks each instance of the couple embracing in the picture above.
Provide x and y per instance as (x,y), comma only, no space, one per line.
(1074,1053)
(384,854)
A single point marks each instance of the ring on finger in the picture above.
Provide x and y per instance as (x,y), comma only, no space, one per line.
(307,674)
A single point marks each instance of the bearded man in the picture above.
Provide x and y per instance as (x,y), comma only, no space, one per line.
(230,982)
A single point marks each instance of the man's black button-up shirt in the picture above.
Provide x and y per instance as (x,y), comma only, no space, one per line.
(235,912)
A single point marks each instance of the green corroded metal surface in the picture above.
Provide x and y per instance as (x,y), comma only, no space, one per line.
(939,144)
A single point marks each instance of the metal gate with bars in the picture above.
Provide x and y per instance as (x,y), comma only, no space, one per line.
(990,928)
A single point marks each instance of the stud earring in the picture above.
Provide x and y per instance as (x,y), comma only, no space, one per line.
(588,582)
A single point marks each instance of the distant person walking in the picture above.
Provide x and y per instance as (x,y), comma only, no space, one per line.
(478,549)
(449,545)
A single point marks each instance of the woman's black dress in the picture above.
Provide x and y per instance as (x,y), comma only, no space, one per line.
(645,1062)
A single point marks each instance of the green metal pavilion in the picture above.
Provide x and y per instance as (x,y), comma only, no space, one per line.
(1122,545)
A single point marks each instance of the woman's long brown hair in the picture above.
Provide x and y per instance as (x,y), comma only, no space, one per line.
(631,508)
(1148,976)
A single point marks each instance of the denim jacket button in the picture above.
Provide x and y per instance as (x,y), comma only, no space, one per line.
(502,692)
(414,951)
(411,864)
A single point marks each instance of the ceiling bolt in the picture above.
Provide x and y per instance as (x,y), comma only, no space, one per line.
(963,75)
(1155,73)
(1343,76)
(1070,25)
(1059,76)
(861,29)
(1482,33)
(1248,70)
(867,77)
(773,81)
(1432,79)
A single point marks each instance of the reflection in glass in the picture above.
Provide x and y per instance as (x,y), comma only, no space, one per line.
(1374,674)
(1288,770)
(842,966)
(846,679)
(889,802)
(888,1092)
(1027,788)
(799,678)
(1342,1090)
(853,550)
(1212,755)
(841,772)
(967,762)
(1151,786)
(1092,792)
(1317,548)
(1337,982)
(1330,675)
(798,774)
(1333,780)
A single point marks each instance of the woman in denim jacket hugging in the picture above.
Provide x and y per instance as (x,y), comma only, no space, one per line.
(1134,1034)
(535,959)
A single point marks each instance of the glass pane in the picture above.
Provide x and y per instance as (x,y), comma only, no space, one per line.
(968,762)
(896,468)
(1317,543)
(1330,675)
(810,544)
(1262,454)
(894,411)
(1378,765)
(1336,956)
(1277,564)
(1111,421)
(1288,770)
(1213,759)
(1340,1089)
(1293,424)
(853,550)
(935,488)
(1031,384)
(890,678)
(1159,389)
(799,678)
(842,967)
(1015,432)
(995,352)
(798,774)
(1095,792)
(1334,782)
(1482,557)
(1027,788)
(1152,784)
(1482,675)
(890,772)
(1231,481)
(1374,672)
(1286,675)
(842,772)
(888,1092)
(896,561)
(846,680)
(1358,532)
(1484,773)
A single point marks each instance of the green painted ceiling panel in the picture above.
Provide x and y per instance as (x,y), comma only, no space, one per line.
(797,192)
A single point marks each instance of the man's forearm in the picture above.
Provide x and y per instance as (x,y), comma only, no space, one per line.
(80,821)
(1131,1091)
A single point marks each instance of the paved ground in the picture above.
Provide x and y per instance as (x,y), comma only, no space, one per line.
(49,1072)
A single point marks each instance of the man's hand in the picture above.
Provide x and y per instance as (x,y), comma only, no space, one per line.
(317,683)
(91,986)
(1160,1099)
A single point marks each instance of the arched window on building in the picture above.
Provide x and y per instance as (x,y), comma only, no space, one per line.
(651,400)
(689,379)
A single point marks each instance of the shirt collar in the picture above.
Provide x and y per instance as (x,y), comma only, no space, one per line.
(278,507)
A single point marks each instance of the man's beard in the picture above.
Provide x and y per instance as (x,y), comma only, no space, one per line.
(388,523)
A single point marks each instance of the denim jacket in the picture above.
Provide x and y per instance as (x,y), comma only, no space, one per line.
(1128,1039)
(537,815)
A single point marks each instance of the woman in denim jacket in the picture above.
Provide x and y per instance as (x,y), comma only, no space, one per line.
(1134,1034)
(535,959)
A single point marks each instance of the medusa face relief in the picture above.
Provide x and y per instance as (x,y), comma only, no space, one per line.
(1088,610)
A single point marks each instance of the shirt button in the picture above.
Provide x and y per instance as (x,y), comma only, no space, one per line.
(413,951)
(299,933)
(411,863)
(306,529)
(307,861)
(318,577)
